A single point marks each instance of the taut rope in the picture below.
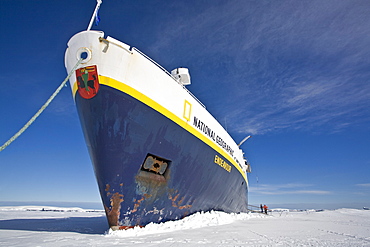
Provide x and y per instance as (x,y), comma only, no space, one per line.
(41,109)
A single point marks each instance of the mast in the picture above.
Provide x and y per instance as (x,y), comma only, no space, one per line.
(95,14)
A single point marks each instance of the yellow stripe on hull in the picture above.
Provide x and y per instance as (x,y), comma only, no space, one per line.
(103,80)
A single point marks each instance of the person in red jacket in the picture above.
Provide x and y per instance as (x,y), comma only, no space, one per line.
(265,208)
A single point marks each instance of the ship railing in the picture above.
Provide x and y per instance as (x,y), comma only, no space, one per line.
(168,73)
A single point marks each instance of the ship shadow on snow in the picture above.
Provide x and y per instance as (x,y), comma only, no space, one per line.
(84,225)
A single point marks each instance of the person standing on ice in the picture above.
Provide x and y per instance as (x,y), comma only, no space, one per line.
(261,207)
(265,208)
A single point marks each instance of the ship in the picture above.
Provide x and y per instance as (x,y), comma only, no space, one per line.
(157,153)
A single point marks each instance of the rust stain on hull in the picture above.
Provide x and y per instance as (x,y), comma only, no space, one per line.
(176,203)
(150,185)
(126,227)
(113,212)
(137,204)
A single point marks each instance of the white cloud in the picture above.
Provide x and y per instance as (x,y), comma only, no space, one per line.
(287,65)
(296,65)
(363,185)
(286,189)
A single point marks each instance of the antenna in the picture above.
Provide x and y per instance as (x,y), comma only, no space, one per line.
(98,2)
(244,140)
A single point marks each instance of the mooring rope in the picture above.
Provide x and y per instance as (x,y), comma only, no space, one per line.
(14,137)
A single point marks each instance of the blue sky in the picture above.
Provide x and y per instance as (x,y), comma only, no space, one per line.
(293,74)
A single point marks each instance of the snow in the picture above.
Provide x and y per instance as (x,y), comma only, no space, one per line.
(64,226)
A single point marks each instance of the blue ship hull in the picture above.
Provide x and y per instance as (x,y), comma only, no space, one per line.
(121,132)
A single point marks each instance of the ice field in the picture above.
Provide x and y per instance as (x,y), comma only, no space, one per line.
(56,226)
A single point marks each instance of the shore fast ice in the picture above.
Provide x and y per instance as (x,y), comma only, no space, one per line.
(210,133)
